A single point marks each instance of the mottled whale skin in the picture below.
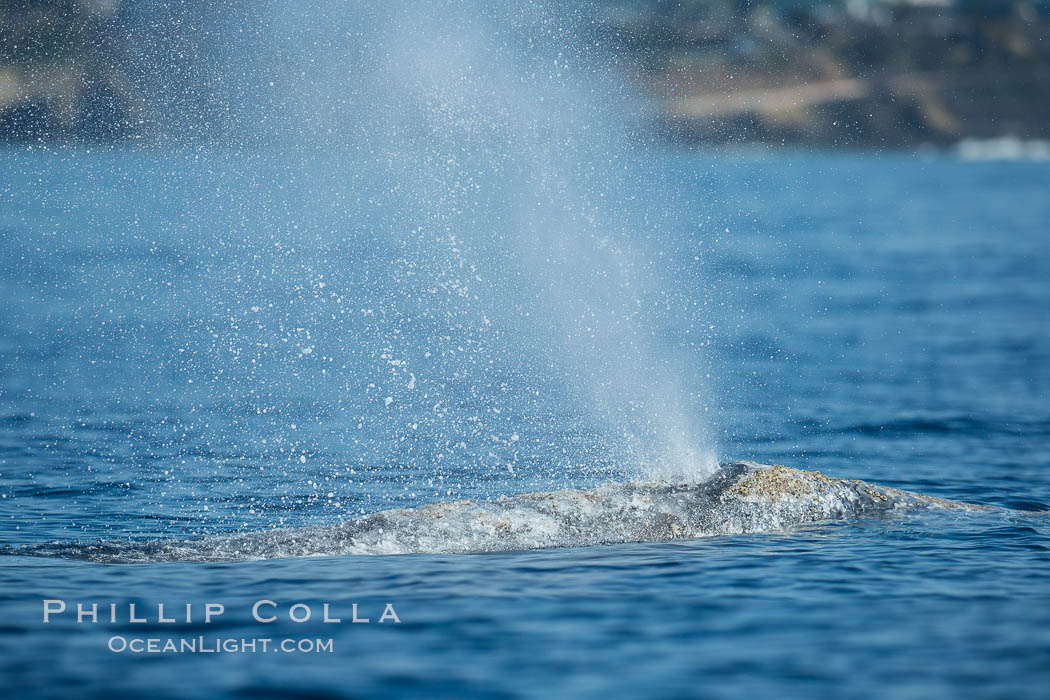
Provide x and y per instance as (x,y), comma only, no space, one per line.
(741,497)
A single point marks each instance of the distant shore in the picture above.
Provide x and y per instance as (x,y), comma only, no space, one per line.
(863,74)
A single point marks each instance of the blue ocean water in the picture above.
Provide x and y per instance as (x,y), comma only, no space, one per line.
(194,343)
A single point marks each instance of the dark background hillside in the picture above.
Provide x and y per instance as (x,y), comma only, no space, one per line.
(859,73)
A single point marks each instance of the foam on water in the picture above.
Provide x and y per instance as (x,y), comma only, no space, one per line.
(741,497)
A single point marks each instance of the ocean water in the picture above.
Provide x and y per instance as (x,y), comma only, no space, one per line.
(196,344)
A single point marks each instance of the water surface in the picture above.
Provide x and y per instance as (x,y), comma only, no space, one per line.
(186,348)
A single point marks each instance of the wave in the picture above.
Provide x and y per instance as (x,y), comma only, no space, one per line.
(741,497)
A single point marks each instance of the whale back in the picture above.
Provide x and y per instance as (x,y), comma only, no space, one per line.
(741,497)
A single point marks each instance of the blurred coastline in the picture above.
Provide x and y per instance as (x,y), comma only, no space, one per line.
(851,73)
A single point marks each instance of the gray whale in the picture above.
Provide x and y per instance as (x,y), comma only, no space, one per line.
(741,497)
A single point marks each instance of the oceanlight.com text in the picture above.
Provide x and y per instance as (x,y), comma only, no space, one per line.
(218,645)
